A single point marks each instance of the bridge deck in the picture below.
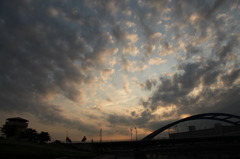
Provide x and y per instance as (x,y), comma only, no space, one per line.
(169,148)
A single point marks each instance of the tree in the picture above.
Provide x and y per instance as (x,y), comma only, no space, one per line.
(68,140)
(8,131)
(84,139)
(44,137)
(29,134)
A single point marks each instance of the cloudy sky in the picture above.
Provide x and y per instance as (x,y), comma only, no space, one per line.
(83,65)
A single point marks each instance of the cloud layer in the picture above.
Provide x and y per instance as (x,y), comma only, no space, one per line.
(183,56)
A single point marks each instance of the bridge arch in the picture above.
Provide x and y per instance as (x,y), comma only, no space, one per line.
(228,118)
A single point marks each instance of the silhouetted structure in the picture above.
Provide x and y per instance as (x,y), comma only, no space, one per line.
(224,144)
(217,130)
(223,117)
(14,127)
(84,139)
(68,140)
(101,135)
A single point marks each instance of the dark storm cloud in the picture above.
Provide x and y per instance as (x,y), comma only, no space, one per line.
(199,17)
(210,84)
(54,47)
(141,120)
(191,50)
(50,114)
(150,12)
(206,9)
(200,77)
(48,48)
(149,84)
(231,77)
(177,91)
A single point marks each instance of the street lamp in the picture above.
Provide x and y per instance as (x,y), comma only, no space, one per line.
(101,135)
(131,133)
(136,133)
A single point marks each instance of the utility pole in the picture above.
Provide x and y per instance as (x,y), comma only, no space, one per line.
(131,133)
(101,135)
(136,133)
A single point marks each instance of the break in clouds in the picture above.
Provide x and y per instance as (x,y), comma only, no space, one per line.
(51,48)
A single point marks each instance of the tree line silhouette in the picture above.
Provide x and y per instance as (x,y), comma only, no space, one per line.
(28,134)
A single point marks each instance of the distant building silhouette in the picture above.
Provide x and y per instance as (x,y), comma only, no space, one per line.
(15,126)
(217,130)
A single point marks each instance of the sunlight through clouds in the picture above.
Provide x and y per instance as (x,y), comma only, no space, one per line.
(156,61)
(85,65)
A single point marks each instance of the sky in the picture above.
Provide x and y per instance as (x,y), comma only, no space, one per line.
(79,66)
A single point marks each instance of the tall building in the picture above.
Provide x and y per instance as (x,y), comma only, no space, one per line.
(14,126)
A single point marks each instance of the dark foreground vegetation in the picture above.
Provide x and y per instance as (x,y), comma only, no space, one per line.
(12,149)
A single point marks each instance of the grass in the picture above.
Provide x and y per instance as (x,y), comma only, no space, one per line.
(10,149)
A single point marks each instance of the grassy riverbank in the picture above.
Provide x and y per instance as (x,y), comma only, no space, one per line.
(10,149)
